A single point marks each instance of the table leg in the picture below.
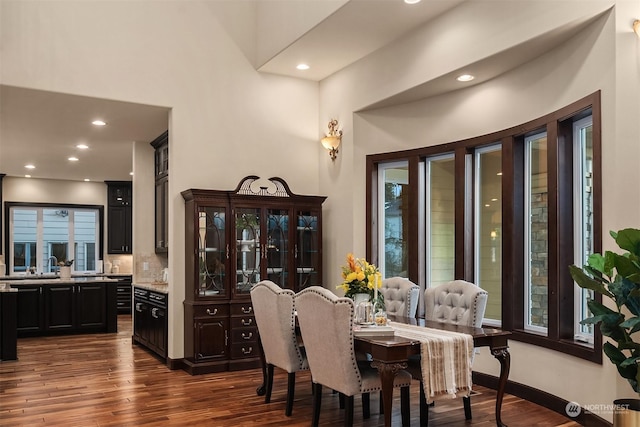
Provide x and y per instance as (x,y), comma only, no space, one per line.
(387,373)
(503,356)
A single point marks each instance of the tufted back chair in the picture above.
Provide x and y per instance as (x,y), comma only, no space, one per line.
(326,325)
(275,316)
(457,302)
(400,296)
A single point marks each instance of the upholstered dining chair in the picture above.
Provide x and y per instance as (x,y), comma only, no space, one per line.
(274,311)
(326,325)
(400,296)
(457,302)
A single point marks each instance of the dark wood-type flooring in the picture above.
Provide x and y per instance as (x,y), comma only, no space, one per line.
(102,380)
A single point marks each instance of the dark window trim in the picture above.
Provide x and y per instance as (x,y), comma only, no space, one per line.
(558,126)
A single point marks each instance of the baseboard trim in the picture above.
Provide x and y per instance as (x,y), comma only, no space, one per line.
(541,398)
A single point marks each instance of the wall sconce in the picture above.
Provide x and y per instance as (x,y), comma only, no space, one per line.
(636,27)
(332,141)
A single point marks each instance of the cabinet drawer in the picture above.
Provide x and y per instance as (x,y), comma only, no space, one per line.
(212,310)
(242,309)
(243,321)
(242,350)
(244,335)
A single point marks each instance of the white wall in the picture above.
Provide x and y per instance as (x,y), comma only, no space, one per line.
(227,120)
(605,56)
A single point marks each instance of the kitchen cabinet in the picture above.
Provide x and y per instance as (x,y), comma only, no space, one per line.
(124,293)
(161,146)
(66,307)
(234,239)
(150,320)
(119,217)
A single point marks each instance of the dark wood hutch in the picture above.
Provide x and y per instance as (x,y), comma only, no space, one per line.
(234,239)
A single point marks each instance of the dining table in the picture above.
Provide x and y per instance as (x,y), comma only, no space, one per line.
(390,354)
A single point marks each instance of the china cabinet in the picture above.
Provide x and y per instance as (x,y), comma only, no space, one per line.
(234,239)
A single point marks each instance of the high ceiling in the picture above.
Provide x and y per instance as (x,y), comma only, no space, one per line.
(43,128)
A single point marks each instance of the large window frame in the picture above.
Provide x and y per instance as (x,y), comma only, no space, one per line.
(70,246)
(559,128)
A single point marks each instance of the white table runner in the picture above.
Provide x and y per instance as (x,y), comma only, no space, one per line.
(445,359)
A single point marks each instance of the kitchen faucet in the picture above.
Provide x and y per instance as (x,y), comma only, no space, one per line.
(55,266)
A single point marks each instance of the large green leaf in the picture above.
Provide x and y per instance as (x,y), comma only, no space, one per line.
(584,281)
(633,324)
(629,240)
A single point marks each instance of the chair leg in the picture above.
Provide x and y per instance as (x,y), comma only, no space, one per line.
(348,415)
(341,400)
(466,400)
(424,408)
(267,396)
(405,406)
(366,405)
(381,403)
(291,387)
(317,401)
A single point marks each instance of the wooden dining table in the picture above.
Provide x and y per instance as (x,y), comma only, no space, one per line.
(390,354)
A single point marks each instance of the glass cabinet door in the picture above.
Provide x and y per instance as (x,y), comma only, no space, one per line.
(247,249)
(307,251)
(212,251)
(277,246)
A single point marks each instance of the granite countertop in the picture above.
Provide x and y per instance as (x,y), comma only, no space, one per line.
(161,287)
(53,280)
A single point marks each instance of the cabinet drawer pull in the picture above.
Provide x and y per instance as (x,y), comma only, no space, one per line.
(247,336)
(247,351)
(247,310)
(246,322)
(212,313)
(139,307)
(154,312)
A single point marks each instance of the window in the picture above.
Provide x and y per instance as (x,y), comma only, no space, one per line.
(509,211)
(583,217)
(392,211)
(488,228)
(41,234)
(440,219)
(536,233)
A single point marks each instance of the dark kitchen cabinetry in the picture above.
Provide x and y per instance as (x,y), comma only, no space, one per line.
(124,293)
(119,217)
(161,146)
(150,321)
(66,308)
(234,239)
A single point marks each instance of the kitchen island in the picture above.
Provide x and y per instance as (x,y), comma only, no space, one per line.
(50,305)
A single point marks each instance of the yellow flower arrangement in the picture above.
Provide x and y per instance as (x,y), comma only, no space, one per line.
(360,277)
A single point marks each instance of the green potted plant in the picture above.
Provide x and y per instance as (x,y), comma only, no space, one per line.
(616,276)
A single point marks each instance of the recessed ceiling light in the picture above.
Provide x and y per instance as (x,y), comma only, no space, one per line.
(465,78)
(27,176)
(487,205)
(302,67)
(411,1)
(499,174)
(98,123)
(131,173)
(87,180)
(82,146)
(73,159)
(494,200)
(29,166)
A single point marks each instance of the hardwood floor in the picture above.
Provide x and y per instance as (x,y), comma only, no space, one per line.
(102,380)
